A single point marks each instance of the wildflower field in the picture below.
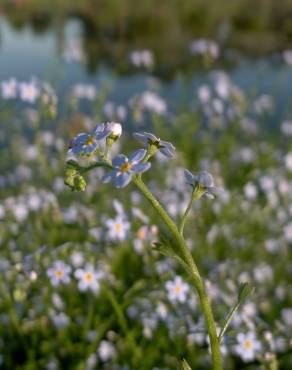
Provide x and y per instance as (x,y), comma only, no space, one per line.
(94,273)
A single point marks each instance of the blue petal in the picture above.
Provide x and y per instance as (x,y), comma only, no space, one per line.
(137,156)
(167,145)
(141,167)
(77,149)
(102,135)
(214,190)
(81,139)
(123,179)
(166,152)
(189,177)
(88,149)
(109,177)
(119,160)
(140,137)
(205,179)
(151,136)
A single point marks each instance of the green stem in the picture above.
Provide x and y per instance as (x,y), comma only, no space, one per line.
(123,324)
(228,321)
(185,216)
(188,260)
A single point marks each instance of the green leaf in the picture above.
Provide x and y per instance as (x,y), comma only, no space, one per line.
(245,289)
(184,365)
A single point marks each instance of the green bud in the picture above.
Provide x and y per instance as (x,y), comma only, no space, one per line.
(69,181)
(70,172)
(245,289)
(79,183)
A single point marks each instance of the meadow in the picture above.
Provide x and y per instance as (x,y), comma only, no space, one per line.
(83,282)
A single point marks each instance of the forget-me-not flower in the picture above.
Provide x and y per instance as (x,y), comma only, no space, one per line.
(149,139)
(87,143)
(59,273)
(124,168)
(203,182)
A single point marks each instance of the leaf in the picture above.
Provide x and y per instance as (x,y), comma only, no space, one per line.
(245,289)
(184,365)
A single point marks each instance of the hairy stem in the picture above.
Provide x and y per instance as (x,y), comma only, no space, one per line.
(228,321)
(185,216)
(186,256)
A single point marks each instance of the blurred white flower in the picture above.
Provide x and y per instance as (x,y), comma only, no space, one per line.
(288,161)
(106,350)
(117,228)
(29,92)
(177,290)
(9,89)
(248,346)
(59,273)
(88,278)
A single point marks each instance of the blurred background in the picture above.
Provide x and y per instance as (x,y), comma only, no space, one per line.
(214,78)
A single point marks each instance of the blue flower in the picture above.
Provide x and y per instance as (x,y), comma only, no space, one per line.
(86,144)
(125,167)
(149,139)
(202,182)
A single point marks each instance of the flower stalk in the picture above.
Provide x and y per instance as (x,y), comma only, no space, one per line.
(192,269)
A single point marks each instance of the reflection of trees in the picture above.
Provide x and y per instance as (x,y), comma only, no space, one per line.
(113,28)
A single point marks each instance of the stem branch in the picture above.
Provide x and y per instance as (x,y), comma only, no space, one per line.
(184,253)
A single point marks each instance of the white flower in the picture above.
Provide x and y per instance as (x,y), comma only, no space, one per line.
(247,346)
(59,273)
(115,128)
(29,91)
(88,278)
(118,228)
(288,232)
(77,259)
(106,350)
(177,289)
(142,58)
(60,320)
(9,89)
(267,183)
(153,102)
(288,161)
(287,56)
(204,93)
(250,191)
(161,310)
(83,91)
(286,128)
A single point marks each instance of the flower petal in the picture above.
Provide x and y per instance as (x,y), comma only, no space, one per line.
(165,151)
(151,136)
(109,177)
(137,156)
(205,179)
(141,167)
(123,179)
(189,177)
(140,137)
(119,160)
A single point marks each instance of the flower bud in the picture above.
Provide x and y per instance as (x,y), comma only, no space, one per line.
(79,183)
(115,128)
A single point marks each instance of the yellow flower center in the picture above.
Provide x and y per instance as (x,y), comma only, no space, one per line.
(118,227)
(88,277)
(89,141)
(247,344)
(59,274)
(141,234)
(125,167)
(177,289)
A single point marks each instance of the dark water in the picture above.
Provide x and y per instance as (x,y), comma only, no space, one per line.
(25,54)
